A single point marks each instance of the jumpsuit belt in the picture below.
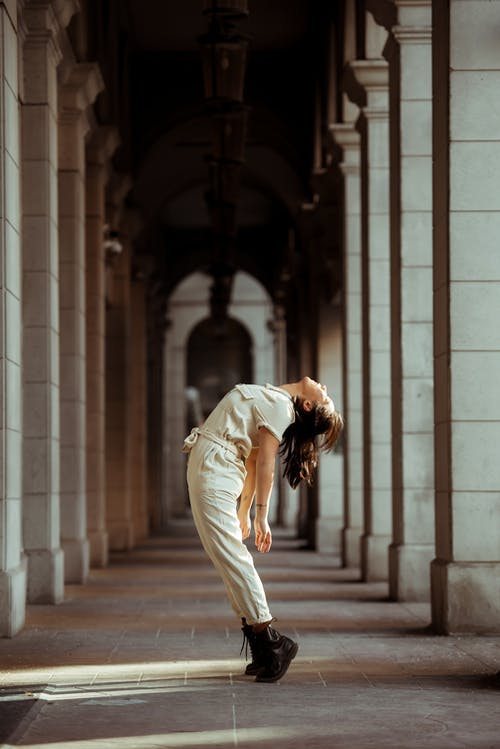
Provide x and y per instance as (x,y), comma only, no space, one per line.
(192,438)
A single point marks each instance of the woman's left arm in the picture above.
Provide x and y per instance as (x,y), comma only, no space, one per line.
(266,460)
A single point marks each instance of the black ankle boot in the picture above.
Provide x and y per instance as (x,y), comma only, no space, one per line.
(250,640)
(276,652)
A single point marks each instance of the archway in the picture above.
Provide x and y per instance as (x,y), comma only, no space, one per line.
(218,357)
(191,329)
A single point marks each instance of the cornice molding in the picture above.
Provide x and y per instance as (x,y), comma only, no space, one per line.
(384,12)
(64,11)
(391,13)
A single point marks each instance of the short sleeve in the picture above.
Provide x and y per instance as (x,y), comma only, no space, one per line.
(274,415)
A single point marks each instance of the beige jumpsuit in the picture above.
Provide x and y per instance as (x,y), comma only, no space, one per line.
(216,474)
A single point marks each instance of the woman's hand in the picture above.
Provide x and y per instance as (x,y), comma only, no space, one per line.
(263,537)
(245,524)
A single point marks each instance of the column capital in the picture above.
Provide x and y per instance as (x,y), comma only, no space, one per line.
(102,144)
(366,83)
(119,184)
(345,135)
(79,90)
(37,36)
(412,34)
(348,140)
(372,75)
(45,20)
(404,35)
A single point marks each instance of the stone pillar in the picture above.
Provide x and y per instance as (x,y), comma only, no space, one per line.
(278,327)
(78,92)
(118,470)
(465,575)
(330,519)
(12,562)
(41,449)
(137,399)
(171,421)
(371,77)
(348,140)
(155,427)
(103,143)
(407,50)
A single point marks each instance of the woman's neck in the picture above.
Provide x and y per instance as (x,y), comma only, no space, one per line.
(293,388)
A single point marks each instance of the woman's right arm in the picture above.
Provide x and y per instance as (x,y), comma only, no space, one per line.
(247,494)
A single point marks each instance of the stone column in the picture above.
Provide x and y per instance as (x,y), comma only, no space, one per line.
(407,50)
(171,349)
(41,449)
(78,92)
(137,398)
(348,140)
(278,327)
(465,575)
(118,469)
(371,77)
(330,519)
(12,562)
(102,145)
(156,325)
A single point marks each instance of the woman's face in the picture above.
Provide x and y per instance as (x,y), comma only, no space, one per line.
(314,392)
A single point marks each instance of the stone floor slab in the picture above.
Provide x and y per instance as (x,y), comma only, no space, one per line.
(146,655)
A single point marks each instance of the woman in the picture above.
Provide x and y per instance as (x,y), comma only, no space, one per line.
(232,456)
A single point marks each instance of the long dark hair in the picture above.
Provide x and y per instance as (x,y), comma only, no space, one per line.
(300,445)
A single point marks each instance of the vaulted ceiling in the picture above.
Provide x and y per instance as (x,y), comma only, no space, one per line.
(150,56)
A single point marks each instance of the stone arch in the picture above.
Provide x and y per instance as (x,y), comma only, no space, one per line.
(252,309)
(210,343)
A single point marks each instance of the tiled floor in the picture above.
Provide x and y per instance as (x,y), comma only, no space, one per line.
(146,655)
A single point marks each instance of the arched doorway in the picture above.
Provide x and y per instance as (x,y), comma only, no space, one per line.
(218,357)
(197,355)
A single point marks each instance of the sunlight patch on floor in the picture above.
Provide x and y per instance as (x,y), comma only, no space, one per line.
(228,737)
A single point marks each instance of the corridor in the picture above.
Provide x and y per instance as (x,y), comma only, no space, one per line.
(147,655)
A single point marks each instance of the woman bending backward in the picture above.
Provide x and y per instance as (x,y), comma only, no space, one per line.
(232,457)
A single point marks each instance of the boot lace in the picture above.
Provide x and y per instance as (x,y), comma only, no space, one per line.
(249,642)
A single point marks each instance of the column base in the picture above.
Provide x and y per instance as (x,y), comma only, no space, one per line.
(409,572)
(465,597)
(99,548)
(45,575)
(13,599)
(121,536)
(375,557)
(351,547)
(328,535)
(76,560)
